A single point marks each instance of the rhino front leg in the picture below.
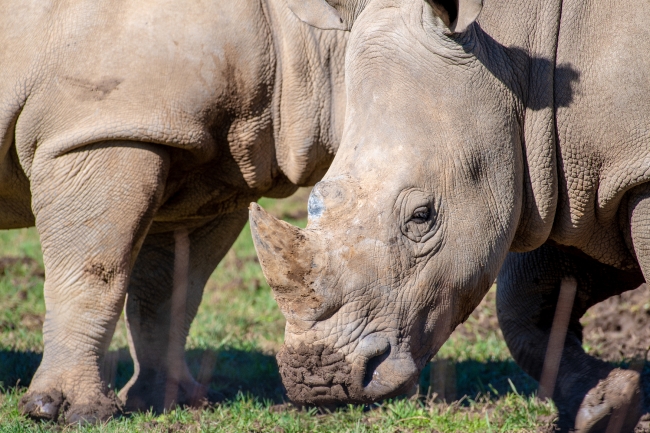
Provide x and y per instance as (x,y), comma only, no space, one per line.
(527,296)
(161,306)
(93,207)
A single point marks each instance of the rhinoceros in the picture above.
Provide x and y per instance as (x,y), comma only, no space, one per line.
(509,139)
(134,135)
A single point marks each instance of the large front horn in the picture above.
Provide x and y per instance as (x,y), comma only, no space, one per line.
(293,261)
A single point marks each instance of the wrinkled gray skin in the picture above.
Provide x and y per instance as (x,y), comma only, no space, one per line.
(524,132)
(130,131)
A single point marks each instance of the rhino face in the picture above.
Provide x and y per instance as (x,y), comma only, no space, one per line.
(411,223)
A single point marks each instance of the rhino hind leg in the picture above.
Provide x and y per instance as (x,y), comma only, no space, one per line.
(589,393)
(93,207)
(160,308)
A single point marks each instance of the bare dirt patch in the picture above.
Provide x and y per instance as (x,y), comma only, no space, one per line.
(615,330)
(618,328)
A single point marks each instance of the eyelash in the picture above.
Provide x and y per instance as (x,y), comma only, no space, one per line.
(422,215)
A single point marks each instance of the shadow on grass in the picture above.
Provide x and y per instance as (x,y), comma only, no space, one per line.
(478,378)
(227,372)
(231,371)
(18,368)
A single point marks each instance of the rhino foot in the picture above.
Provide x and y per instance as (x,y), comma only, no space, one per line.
(145,395)
(54,406)
(42,406)
(615,404)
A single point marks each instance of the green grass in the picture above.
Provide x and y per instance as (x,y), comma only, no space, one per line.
(247,414)
(231,347)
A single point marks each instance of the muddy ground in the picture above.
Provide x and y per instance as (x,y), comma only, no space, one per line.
(617,330)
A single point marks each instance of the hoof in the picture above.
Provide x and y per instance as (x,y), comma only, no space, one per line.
(54,406)
(613,405)
(92,413)
(42,406)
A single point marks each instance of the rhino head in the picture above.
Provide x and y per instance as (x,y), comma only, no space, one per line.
(411,223)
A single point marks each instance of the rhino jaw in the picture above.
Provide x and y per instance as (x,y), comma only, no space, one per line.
(292,261)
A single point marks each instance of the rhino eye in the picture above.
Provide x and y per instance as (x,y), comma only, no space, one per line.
(421,215)
(418,214)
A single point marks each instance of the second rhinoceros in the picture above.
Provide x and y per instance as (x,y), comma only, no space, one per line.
(527,131)
(134,135)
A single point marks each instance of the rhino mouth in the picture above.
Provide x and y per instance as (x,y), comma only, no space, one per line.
(318,375)
(315,374)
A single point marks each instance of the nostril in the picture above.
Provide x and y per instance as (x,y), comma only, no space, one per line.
(372,365)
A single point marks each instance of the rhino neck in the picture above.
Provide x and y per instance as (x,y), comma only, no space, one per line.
(309,94)
(528,29)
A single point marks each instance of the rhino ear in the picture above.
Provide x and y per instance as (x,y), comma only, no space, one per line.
(318,13)
(457,15)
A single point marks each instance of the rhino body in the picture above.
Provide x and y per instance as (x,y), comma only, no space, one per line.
(516,145)
(134,135)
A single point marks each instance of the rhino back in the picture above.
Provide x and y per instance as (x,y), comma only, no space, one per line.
(602,102)
(158,71)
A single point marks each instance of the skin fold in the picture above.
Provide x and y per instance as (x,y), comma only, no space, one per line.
(515,145)
(134,135)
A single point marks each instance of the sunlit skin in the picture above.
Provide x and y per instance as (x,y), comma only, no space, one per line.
(450,159)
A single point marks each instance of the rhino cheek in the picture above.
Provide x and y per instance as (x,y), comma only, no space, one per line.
(436,329)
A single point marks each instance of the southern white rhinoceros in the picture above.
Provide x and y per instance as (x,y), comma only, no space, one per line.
(131,131)
(527,132)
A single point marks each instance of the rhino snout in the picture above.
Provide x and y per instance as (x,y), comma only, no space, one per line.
(386,373)
(320,375)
